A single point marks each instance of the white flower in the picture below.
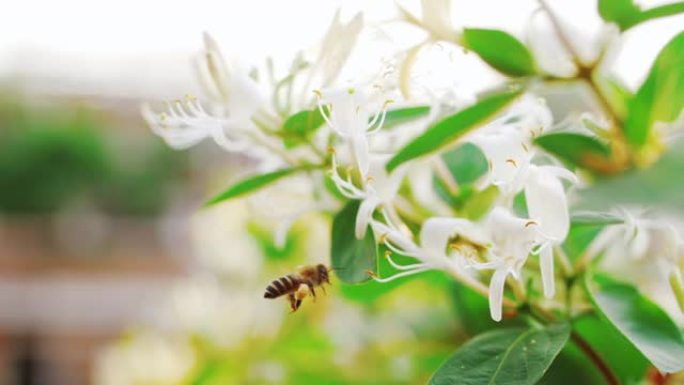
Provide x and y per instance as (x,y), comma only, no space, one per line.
(436,19)
(647,251)
(236,102)
(434,251)
(378,189)
(336,47)
(346,112)
(185,123)
(512,241)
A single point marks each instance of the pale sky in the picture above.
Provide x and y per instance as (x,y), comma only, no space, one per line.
(144,47)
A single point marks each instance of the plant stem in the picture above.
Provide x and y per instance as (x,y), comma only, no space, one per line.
(601,365)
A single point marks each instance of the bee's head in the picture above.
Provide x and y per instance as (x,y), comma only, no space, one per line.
(323,272)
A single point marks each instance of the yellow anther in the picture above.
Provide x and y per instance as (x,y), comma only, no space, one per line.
(383,238)
(331,150)
(490,164)
(531,223)
(162,116)
(318,93)
(190,97)
(524,146)
(388,253)
(512,161)
(387,103)
(351,91)
(370,179)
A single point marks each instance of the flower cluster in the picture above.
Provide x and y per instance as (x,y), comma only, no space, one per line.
(336,138)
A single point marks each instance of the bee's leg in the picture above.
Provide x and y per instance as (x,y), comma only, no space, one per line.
(293,302)
(311,289)
(323,288)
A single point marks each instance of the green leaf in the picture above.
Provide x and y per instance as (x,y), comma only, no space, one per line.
(572,367)
(626,14)
(639,320)
(661,97)
(250,185)
(592,218)
(370,291)
(472,311)
(579,238)
(622,12)
(480,203)
(505,356)
(466,163)
(398,116)
(452,128)
(500,50)
(626,362)
(352,258)
(618,95)
(577,149)
(300,126)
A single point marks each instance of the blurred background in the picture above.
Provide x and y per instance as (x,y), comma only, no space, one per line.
(110,273)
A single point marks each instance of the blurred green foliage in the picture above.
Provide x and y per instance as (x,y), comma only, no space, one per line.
(54,156)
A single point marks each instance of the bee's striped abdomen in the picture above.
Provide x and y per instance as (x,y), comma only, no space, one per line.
(280,286)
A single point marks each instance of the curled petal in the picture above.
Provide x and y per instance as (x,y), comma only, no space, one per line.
(337,45)
(363,216)
(385,185)
(436,232)
(361,153)
(547,203)
(496,293)
(546,264)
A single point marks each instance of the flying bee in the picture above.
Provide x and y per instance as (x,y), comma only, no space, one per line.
(299,285)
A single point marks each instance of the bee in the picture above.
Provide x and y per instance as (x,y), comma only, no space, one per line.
(299,285)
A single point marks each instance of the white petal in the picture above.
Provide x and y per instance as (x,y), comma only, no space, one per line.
(386,186)
(245,96)
(512,238)
(496,293)
(435,234)
(547,203)
(546,265)
(349,110)
(364,215)
(533,115)
(361,153)
(337,45)
(548,50)
(437,17)
(505,151)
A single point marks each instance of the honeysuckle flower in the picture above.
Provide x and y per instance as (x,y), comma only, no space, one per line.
(641,239)
(378,189)
(512,241)
(444,244)
(185,124)
(336,47)
(346,112)
(228,86)
(236,102)
(647,250)
(435,19)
